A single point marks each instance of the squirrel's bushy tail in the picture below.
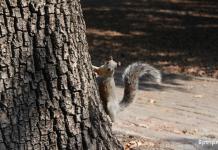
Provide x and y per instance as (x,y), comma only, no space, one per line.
(131,77)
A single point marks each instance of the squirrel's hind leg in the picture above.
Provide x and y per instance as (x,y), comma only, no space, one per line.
(113,109)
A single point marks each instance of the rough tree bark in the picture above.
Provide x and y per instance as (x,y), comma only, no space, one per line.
(48,97)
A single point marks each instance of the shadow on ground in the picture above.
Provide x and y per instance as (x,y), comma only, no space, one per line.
(174,35)
(169,82)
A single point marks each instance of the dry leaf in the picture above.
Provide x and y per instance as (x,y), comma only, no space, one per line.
(184,131)
(143,125)
(198,96)
(152,101)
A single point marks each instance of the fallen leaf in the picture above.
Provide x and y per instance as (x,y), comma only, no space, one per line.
(143,125)
(198,96)
(184,131)
(152,101)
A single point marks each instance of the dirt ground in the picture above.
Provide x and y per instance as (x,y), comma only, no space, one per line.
(175,115)
(180,38)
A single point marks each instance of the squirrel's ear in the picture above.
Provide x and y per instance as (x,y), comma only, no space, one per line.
(118,63)
(109,58)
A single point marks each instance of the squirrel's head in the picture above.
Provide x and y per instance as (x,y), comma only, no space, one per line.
(108,68)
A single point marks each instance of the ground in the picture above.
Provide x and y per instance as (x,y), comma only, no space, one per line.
(179,37)
(171,116)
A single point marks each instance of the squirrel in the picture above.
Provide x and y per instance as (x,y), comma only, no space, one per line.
(131,75)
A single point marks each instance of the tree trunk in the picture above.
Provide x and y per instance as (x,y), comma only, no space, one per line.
(48,97)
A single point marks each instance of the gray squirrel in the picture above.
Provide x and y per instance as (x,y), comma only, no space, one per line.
(131,75)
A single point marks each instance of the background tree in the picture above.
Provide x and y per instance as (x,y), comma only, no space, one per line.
(48,98)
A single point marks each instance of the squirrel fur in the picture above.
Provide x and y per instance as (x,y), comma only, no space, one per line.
(131,75)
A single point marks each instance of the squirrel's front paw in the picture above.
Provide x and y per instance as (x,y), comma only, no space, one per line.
(109,119)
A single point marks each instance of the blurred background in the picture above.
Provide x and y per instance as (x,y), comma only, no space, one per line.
(176,36)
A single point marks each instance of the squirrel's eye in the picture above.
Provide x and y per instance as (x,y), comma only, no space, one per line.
(106,62)
(109,69)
